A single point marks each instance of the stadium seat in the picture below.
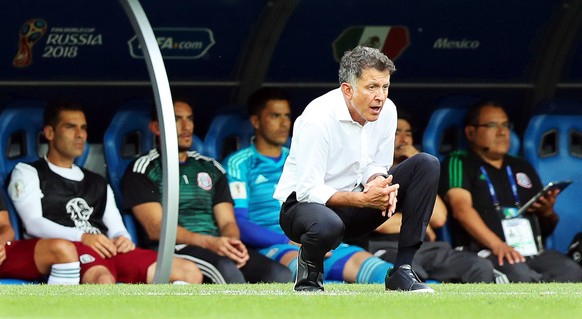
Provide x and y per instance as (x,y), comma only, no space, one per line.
(20,133)
(228,132)
(445,130)
(553,145)
(11,281)
(21,127)
(126,137)
(198,144)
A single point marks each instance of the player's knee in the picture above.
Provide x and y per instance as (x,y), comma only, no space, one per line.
(331,234)
(98,275)
(186,270)
(63,250)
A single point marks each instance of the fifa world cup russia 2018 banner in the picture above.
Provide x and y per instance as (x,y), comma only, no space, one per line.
(392,40)
(66,42)
(39,48)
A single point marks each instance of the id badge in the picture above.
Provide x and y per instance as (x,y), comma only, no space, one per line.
(519,235)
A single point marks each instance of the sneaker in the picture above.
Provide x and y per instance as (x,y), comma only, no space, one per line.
(404,279)
(309,278)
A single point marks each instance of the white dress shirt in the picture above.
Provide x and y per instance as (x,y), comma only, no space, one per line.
(331,152)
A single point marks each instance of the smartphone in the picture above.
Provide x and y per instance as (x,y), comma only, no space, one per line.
(561,185)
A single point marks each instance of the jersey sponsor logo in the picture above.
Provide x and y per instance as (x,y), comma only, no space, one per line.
(238,190)
(523,180)
(204,181)
(80,213)
(86,259)
(261,179)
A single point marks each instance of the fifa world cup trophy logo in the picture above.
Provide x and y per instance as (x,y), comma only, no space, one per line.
(30,32)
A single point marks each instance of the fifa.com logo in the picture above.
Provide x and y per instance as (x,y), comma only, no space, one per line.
(30,32)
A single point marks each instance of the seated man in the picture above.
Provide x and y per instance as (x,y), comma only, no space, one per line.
(485,186)
(57,199)
(34,259)
(207,231)
(253,175)
(435,259)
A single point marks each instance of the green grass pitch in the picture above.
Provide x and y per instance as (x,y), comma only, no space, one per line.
(278,301)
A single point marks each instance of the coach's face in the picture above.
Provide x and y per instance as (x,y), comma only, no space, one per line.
(366,98)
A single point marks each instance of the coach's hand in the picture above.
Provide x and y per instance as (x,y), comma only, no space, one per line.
(100,243)
(381,195)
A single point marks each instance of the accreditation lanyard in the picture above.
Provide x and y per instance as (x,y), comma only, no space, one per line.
(512,182)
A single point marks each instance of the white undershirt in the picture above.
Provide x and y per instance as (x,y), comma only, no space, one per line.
(24,190)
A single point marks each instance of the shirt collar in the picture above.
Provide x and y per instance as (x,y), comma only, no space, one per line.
(341,109)
(476,158)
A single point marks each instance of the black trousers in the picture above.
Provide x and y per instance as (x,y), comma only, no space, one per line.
(320,229)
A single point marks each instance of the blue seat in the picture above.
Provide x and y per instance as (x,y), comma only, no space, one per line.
(21,132)
(126,137)
(198,144)
(228,132)
(445,130)
(11,281)
(553,145)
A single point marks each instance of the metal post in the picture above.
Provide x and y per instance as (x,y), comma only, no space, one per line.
(169,141)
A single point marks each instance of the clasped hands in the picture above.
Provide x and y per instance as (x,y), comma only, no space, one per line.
(381,194)
(106,247)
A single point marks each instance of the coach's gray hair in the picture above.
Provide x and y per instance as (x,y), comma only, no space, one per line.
(360,58)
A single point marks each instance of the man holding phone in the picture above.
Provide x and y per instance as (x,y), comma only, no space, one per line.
(484,188)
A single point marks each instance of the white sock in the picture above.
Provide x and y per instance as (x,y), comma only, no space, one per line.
(65,274)
(180,282)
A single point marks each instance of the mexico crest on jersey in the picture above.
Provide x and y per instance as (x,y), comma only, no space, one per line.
(204,181)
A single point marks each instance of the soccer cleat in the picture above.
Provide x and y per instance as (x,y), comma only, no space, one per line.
(404,279)
(309,278)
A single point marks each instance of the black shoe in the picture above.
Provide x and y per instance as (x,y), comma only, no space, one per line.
(309,278)
(404,279)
